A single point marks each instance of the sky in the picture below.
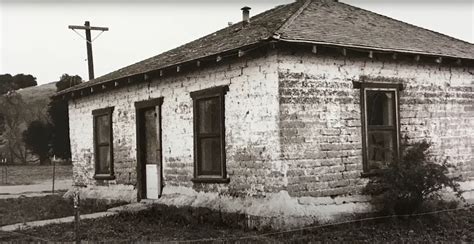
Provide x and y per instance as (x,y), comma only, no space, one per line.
(34,38)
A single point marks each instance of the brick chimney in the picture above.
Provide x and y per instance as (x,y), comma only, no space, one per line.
(245,16)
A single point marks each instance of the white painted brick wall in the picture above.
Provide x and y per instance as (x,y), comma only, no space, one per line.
(251,121)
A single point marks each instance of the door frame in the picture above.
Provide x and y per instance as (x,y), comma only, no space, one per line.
(141,171)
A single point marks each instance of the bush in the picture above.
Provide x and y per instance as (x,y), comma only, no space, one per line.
(406,185)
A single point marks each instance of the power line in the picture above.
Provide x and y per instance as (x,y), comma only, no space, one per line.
(83,38)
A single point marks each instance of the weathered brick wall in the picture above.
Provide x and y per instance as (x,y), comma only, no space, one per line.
(320,116)
(251,121)
(292,122)
(443,113)
(293,132)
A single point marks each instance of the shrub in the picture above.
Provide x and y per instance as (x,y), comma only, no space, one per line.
(409,183)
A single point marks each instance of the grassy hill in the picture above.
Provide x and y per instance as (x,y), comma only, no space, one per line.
(37,99)
(38,94)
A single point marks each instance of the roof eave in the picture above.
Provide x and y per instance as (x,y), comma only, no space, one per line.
(142,76)
(69,93)
(371,48)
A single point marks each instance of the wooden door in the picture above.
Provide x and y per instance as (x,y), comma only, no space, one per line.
(149,165)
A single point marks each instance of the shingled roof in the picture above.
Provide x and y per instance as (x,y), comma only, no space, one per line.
(323,22)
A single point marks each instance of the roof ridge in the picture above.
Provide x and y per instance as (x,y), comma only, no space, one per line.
(292,18)
(406,23)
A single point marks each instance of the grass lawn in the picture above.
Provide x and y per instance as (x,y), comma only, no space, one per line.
(24,209)
(163,224)
(30,174)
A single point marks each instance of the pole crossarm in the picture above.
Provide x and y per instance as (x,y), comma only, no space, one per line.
(79,27)
(88,28)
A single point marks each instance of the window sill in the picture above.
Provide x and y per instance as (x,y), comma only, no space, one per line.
(210,180)
(104,177)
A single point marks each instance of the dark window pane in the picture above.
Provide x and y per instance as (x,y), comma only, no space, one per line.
(104,160)
(210,156)
(381,149)
(380,108)
(209,115)
(103,129)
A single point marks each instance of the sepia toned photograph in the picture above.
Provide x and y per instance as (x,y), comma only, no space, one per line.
(241,121)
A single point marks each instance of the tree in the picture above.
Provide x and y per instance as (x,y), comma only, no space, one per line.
(58,112)
(67,81)
(6,83)
(38,140)
(15,117)
(60,142)
(23,81)
(11,83)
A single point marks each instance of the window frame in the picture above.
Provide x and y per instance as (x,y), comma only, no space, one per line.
(382,87)
(98,113)
(218,92)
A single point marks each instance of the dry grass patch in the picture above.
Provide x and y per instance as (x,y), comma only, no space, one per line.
(31,174)
(25,209)
(169,224)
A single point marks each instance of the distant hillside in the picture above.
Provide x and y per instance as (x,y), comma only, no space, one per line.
(38,98)
(40,93)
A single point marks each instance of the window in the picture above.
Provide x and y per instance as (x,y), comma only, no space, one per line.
(209,135)
(380,126)
(103,143)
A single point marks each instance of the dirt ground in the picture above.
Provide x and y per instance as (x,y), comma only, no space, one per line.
(167,224)
(32,174)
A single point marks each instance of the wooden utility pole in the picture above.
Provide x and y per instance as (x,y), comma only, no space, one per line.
(87,27)
(54,171)
(4,170)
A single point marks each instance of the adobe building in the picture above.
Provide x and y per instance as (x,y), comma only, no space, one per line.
(283,117)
